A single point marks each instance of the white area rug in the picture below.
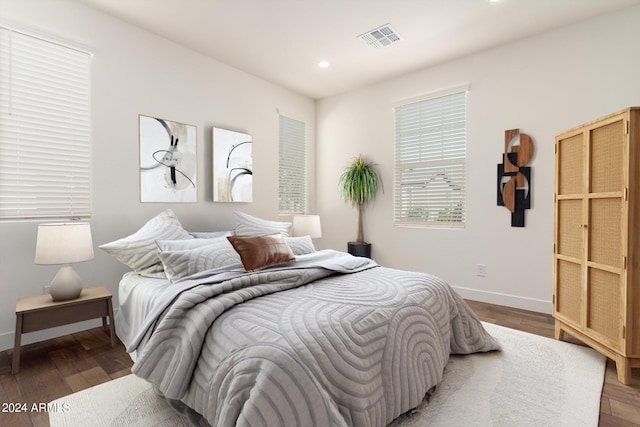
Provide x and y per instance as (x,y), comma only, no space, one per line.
(534,381)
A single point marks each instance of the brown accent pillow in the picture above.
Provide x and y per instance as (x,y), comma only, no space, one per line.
(258,252)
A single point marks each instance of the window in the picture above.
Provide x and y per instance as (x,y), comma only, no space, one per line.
(44,128)
(430,150)
(293,166)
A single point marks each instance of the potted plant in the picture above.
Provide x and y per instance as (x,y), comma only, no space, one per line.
(359,184)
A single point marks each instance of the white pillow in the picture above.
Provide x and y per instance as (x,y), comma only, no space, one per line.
(211,234)
(182,258)
(139,251)
(184,244)
(182,263)
(300,245)
(247,225)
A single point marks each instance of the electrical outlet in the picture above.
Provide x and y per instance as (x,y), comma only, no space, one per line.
(481,270)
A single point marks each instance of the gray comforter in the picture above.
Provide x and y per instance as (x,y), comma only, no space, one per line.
(330,340)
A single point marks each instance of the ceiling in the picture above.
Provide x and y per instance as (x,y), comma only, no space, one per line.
(282,41)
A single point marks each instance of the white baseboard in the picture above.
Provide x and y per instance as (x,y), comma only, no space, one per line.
(531,304)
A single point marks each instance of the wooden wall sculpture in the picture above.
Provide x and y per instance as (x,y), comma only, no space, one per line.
(514,176)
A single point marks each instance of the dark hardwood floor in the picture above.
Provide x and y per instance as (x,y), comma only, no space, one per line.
(55,368)
(71,363)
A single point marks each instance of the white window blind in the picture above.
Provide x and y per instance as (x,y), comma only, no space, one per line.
(430,150)
(44,128)
(293,166)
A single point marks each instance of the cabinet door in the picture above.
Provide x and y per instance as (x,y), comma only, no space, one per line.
(606,228)
(569,236)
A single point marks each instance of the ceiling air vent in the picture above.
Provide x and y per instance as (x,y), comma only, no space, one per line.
(381,36)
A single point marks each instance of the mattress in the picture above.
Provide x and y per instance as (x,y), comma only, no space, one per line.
(137,295)
(327,340)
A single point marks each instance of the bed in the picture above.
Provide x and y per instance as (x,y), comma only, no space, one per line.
(323,339)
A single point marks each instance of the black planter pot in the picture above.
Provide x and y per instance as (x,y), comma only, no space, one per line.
(359,249)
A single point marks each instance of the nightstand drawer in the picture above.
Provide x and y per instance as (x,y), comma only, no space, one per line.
(58,316)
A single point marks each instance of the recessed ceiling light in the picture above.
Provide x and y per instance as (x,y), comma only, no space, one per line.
(493,1)
(323,64)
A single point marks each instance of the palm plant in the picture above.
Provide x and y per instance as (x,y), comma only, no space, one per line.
(359,184)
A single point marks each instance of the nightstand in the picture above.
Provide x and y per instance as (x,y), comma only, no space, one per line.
(41,312)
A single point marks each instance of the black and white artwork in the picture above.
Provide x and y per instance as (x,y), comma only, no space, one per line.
(232,166)
(167,161)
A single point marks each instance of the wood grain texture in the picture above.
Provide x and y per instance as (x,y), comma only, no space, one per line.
(508,137)
(524,150)
(40,312)
(608,296)
(509,194)
(57,367)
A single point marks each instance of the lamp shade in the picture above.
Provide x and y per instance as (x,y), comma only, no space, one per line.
(64,243)
(307,225)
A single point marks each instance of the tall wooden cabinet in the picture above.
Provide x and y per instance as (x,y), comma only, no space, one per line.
(596,292)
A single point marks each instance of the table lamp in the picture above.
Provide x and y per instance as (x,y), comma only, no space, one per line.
(64,243)
(306,225)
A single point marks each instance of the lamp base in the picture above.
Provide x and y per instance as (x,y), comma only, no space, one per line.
(66,284)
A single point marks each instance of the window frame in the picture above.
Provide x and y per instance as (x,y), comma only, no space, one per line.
(423,156)
(293,157)
(45,113)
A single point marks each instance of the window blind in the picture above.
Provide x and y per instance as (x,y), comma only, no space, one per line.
(293,166)
(430,153)
(44,128)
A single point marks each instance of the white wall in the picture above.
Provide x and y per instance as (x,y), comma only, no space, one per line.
(542,85)
(135,72)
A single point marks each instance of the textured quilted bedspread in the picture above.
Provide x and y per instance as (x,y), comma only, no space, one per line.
(340,342)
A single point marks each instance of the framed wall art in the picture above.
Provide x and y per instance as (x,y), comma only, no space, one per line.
(232,166)
(168,160)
